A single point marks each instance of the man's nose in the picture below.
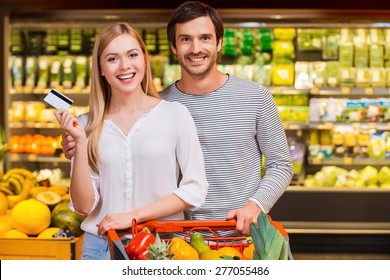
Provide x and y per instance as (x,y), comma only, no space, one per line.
(196,46)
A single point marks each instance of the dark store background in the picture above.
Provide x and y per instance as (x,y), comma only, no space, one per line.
(260,4)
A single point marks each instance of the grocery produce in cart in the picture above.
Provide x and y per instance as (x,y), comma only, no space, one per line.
(269,241)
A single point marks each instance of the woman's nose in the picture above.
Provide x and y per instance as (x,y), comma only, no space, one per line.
(124,64)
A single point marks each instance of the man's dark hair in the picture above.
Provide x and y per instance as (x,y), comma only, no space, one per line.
(191,10)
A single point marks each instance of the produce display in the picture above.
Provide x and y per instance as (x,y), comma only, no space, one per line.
(34,144)
(30,208)
(346,141)
(333,176)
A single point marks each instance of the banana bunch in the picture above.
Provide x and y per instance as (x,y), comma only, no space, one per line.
(16,185)
(60,190)
(269,243)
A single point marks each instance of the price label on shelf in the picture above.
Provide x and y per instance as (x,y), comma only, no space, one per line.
(14,157)
(315,90)
(372,125)
(32,157)
(369,90)
(317,160)
(345,90)
(347,160)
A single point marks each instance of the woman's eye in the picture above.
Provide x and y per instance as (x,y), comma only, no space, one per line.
(110,59)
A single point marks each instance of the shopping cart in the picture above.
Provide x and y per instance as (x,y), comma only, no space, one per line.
(186,228)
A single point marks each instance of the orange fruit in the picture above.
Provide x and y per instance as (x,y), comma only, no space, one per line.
(231,252)
(248,252)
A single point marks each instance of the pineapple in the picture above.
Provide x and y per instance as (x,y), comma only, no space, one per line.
(160,250)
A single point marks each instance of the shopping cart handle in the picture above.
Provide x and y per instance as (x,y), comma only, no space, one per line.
(185,225)
(117,250)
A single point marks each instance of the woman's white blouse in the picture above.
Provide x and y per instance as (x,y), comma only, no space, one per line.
(143,166)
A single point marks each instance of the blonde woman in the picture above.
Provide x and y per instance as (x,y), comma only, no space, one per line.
(131,145)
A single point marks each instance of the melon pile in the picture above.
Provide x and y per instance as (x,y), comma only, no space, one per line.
(40,212)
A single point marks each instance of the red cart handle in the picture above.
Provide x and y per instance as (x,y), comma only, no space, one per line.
(182,226)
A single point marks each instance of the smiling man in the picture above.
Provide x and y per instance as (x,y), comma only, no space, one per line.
(237,122)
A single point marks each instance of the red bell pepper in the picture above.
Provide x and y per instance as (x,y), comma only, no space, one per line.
(137,249)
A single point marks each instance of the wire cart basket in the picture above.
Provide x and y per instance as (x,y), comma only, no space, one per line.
(187,227)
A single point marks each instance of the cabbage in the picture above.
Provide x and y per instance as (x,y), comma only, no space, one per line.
(350,179)
(309,183)
(354,174)
(369,175)
(328,175)
(320,180)
(384,175)
(359,183)
(385,186)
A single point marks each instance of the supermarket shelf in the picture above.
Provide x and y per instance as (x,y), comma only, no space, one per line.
(348,161)
(295,126)
(331,125)
(336,227)
(36,158)
(37,125)
(337,189)
(287,90)
(255,18)
(364,125)
(346,91)
(70,91)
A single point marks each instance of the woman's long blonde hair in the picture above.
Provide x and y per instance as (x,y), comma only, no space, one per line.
(99,99)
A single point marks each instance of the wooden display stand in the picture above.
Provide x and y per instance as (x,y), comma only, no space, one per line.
(40,249)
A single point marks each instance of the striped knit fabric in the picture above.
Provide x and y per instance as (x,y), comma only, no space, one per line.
(236,124)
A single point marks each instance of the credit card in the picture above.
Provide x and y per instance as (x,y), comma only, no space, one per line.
(58,100)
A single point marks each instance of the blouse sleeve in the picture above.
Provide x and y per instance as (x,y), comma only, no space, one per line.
(94,176)
(193,186)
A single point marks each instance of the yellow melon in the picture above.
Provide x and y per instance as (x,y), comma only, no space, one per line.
(7,219)
(31,216)
(230,252)
(49,232)
(211,255)
(50,198)
(4,227)
(14,233)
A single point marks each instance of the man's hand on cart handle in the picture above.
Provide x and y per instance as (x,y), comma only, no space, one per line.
(245,216)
